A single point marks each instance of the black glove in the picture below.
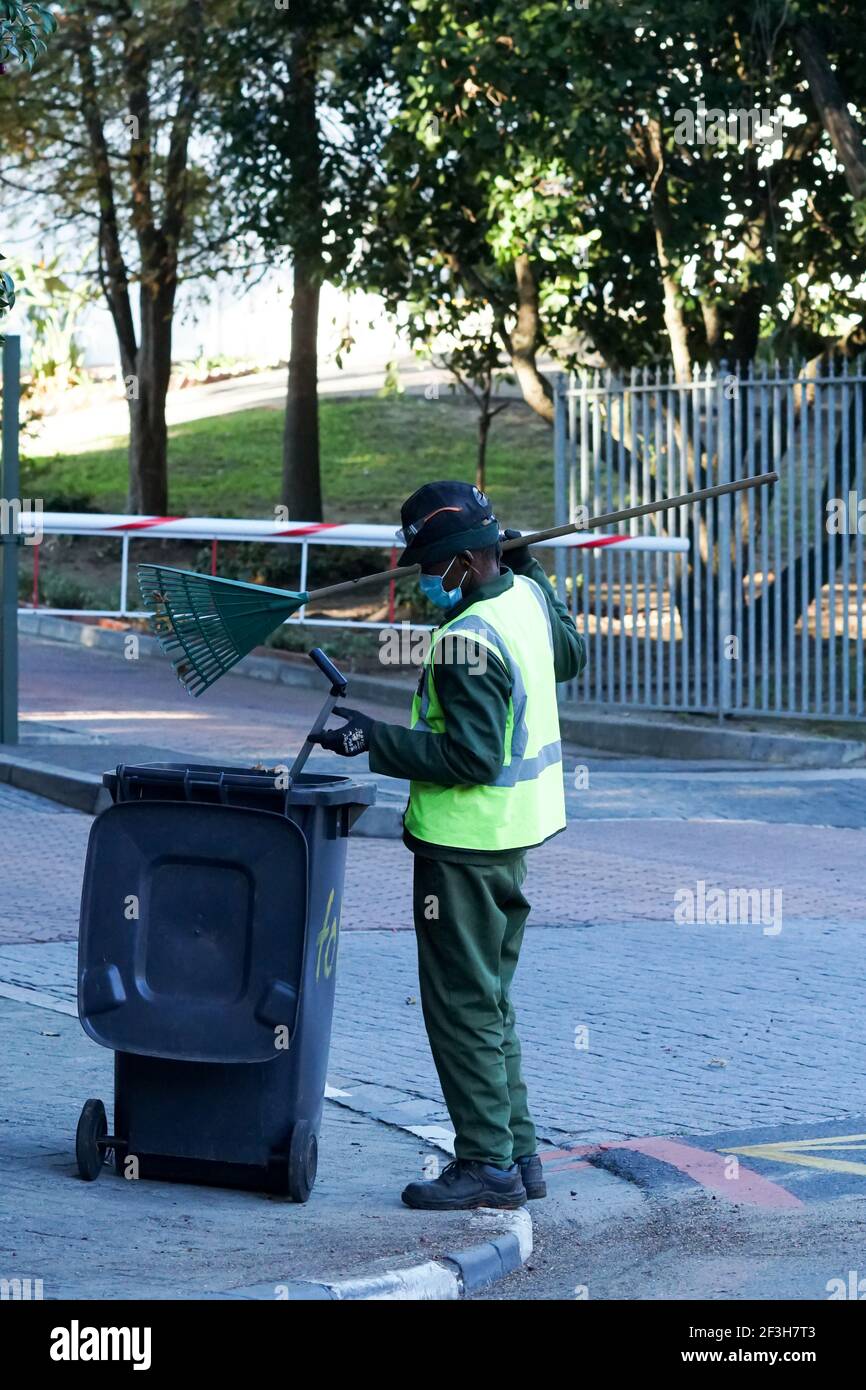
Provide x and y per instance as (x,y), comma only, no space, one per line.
(518,559)
(353,738)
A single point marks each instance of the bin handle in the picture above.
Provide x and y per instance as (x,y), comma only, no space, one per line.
(339,684)
(338,681)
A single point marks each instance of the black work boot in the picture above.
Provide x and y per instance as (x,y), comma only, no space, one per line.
(532,1174)
(465,1183)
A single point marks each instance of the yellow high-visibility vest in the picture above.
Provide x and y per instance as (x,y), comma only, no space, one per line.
(526,802)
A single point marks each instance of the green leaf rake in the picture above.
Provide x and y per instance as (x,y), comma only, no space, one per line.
(206,625)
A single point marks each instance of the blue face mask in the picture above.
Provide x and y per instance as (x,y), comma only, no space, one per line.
(433,587)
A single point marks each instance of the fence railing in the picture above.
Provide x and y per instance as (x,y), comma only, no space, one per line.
(127,529)
(766,614)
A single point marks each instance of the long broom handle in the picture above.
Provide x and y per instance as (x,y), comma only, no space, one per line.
(605,519)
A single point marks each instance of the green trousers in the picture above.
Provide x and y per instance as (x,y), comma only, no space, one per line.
(469,921)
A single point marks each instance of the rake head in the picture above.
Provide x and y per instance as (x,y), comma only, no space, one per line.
(206,625)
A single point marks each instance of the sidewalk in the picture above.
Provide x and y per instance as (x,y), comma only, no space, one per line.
(148,1240)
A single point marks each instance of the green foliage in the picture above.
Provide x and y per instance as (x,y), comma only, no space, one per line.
(69,502)
(58,590)
(53,308)
(278,566)
(503,130)
(24,29)
(392,385)
(7,291)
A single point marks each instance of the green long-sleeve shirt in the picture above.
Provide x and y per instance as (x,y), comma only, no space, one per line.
(474,696)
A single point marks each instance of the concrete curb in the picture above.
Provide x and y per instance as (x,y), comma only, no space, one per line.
(665,739)
(453,1276)
(82,791)
(623,733)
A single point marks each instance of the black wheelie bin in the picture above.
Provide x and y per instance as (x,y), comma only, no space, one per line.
(210,918)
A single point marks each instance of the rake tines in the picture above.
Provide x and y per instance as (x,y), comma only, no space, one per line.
(206,625)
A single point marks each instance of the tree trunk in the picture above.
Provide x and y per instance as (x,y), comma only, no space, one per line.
(523,342)
(148,453)
(302,488)
(673,313)
(747,326)
(147,390)
(832,107)
(484,420)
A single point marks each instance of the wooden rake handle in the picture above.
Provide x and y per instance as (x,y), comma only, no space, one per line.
(535,537)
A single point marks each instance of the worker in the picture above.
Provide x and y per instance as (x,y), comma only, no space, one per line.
(484,760)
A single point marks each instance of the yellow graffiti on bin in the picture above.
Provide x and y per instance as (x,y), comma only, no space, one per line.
(326,941)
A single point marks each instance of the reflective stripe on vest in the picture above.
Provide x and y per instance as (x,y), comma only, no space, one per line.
(525,802)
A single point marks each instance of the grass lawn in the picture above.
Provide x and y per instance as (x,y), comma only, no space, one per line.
(375,452)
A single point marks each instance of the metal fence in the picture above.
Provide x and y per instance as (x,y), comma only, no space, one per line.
(766,613)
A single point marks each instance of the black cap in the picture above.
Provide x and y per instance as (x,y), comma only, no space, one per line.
(441,519)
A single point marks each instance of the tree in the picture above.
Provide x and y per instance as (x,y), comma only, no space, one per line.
(539,154)
(104,134)
(293,175)
(24,31)
(460,337)
(475,364)
(462,186)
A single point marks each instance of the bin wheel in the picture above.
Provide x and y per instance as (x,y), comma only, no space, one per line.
(303,1161)
(92,1126)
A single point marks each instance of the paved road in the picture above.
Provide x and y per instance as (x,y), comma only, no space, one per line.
(679,1026)
(99,695)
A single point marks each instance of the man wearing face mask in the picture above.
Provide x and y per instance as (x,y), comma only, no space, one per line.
(484,759)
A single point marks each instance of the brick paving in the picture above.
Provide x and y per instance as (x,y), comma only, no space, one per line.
(687,1028)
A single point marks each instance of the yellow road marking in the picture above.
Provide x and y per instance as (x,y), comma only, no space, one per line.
(807,1152)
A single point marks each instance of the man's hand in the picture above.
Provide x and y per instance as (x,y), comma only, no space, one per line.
(518,559)
(353,738)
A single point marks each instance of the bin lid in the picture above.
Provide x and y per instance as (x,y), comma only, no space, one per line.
(192,931)
(213,781)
